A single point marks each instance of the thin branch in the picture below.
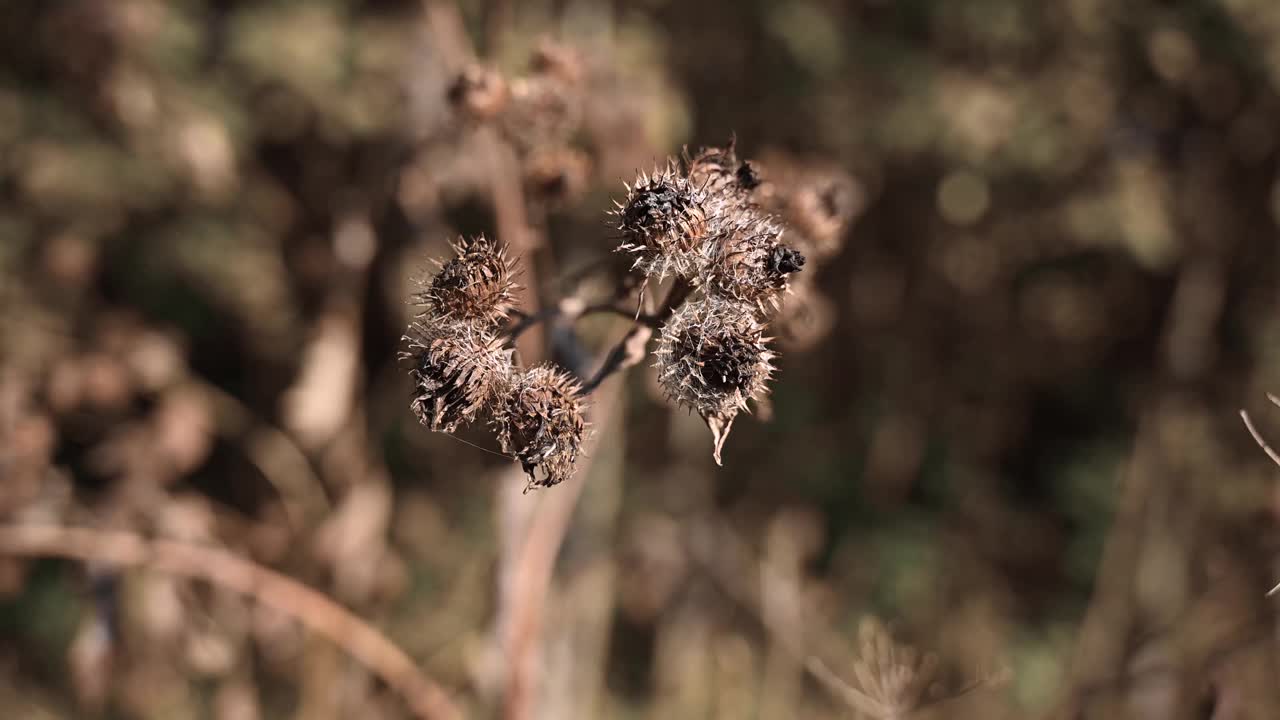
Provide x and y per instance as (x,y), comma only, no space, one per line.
(1266,448)
(310,608)
(1257,437)
(630,350)
(275,454)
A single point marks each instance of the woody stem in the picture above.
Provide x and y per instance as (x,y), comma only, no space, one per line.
(630,350)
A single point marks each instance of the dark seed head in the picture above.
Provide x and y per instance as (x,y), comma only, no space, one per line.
(748,177)
(663,221)
(713,358)
(784,261)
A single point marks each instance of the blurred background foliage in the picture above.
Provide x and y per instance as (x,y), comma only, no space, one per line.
(1005,422)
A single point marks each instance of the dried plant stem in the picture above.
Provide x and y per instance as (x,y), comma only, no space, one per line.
(1257,437)
(1266,448)
(523,591)
(572,309)
(630,350)
(313,610)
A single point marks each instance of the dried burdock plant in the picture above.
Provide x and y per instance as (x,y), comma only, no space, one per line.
(541,421)
(457,369)
(713,358)
(477,284)
(697,221)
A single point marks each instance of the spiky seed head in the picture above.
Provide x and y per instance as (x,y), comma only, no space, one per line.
(475,285)
(545,110)
(541,421)
(479,92)
(711,165)
(457,368)
(713,358)
(557,60)
(663,221)
(748,262)
(821,207)
(805,319)
(556,175)
(720,174)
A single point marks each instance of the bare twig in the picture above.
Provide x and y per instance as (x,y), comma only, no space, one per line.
(1266,448)
(1257,437)
(313,610)
(630,350)
(275,454)
(573,310)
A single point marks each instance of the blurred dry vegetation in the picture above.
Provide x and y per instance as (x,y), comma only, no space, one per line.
(1005,421)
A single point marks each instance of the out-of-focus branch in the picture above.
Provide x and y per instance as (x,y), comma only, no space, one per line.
(313,610)
(1257,437)
(1266,448)
(275,454)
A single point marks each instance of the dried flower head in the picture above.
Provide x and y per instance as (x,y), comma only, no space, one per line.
(664,221)
(545,110)
(457,367)
(557,60)
(480,92)
(556,175)
(719,173)
(820,206)
(748,261)
(540,420)
(475,285)
(806,319)
(713,358)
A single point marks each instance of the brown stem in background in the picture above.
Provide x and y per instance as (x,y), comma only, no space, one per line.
(310,608)
(528,542)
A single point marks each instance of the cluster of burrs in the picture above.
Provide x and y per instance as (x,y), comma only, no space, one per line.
(698,221)
(694,223)
(539,113)
(462,370)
